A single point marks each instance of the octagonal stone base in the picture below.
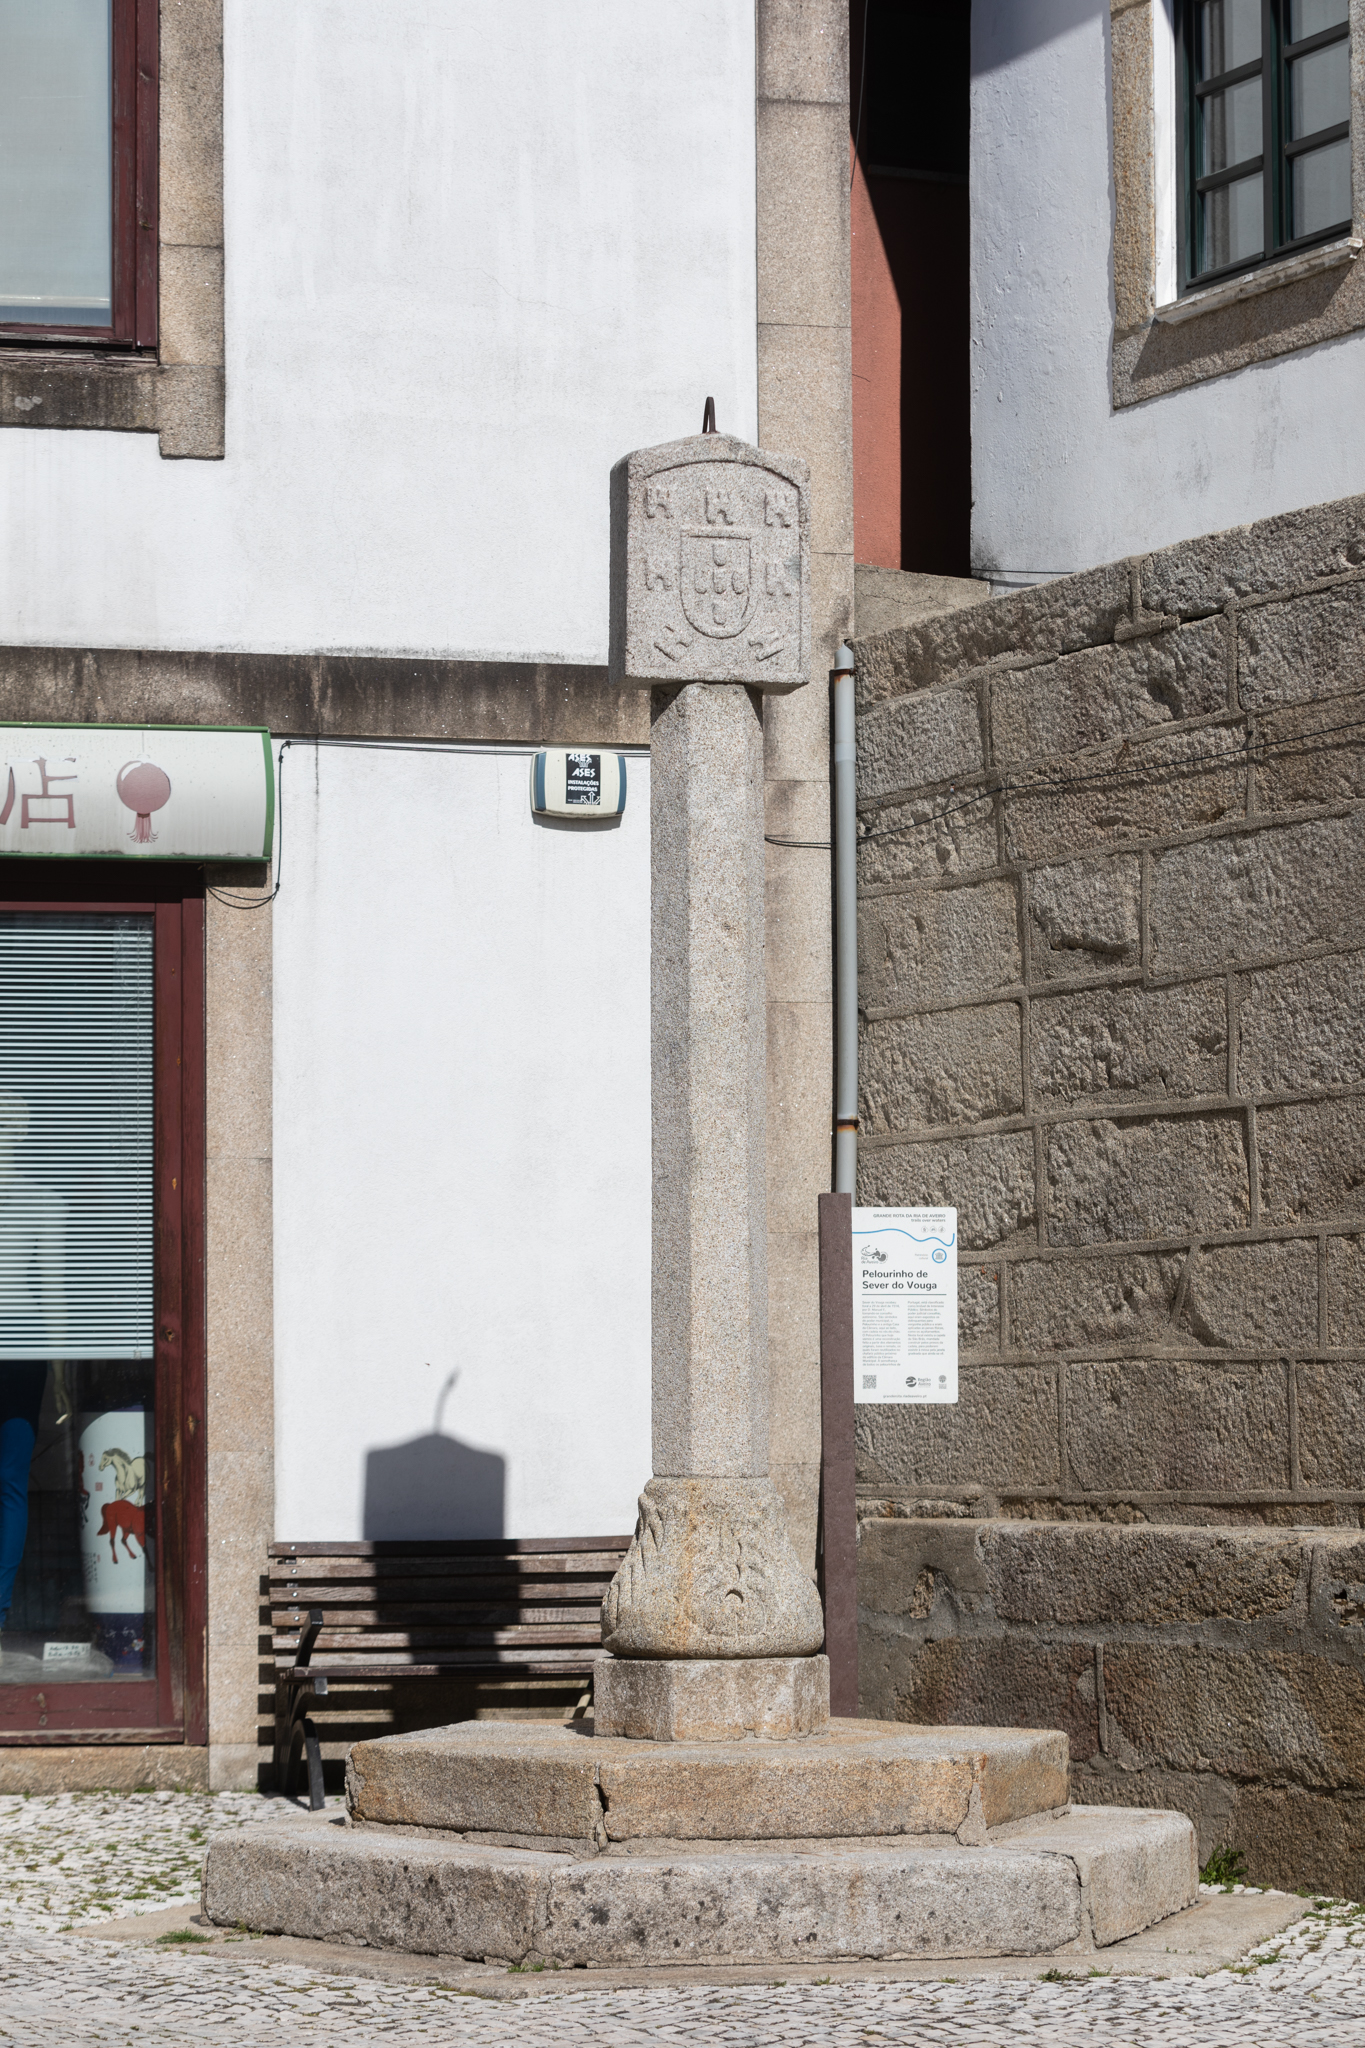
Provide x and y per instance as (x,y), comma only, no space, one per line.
(1057,1887)
(544,1785)
(541,1843)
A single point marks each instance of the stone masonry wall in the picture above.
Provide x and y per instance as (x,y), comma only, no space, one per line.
(1112,927)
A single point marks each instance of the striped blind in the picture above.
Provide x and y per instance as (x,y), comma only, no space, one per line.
(75,1136)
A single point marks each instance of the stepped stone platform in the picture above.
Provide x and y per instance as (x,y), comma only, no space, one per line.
(531,1843)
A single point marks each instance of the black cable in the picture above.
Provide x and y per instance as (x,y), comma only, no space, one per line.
(862,86)
(261,902)
(324,740)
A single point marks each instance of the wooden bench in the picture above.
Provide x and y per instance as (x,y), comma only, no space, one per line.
(377,1612)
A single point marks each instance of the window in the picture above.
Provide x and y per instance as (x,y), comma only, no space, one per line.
(101,1358)
(1266,133)
(78,171)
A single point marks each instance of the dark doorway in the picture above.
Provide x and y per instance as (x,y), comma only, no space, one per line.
(909,98)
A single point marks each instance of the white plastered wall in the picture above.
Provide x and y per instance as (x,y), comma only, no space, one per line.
(1060,480)
(474,254)
(462,1152)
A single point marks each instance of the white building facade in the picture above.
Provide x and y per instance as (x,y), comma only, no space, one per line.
(314,439)
(1101,426)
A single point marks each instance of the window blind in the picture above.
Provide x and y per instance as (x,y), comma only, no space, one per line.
(76,1264)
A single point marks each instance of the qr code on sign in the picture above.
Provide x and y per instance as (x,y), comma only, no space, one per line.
(869,1380)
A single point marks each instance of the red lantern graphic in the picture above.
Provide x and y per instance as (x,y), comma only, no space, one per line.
(144,788)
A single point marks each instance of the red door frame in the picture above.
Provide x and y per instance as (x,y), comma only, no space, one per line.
(172,1706)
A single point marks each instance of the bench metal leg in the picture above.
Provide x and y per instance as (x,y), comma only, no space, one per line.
(313,1748)
(294,1730)
(288,1705)
(303,1735)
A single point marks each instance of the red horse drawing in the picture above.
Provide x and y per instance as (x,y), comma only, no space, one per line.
(121,1518)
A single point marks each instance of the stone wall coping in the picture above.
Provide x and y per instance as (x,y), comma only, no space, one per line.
(1291,554)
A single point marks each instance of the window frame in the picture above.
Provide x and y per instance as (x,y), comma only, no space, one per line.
(134,188)
(1277,152)
(171,1705)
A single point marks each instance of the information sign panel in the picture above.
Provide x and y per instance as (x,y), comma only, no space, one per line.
(904,1305)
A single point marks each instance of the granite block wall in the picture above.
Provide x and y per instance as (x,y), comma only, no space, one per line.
(1217,1670)
(1112,928)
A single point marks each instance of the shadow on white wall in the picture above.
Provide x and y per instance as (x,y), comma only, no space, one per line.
(434,1488)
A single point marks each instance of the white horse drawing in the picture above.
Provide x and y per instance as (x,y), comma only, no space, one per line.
(130,1476)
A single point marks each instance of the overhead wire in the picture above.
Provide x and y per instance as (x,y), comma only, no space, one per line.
(1251,749)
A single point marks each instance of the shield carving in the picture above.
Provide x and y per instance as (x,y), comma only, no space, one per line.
(717,582)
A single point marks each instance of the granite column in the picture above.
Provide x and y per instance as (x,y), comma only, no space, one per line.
(710,606)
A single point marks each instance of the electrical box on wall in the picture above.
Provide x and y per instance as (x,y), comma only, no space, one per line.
(576,782)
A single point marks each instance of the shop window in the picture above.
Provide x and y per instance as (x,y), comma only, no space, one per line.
(1266,131)
(78,171)
(100,1360)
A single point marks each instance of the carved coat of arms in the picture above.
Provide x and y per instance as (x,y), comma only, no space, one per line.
(710,566)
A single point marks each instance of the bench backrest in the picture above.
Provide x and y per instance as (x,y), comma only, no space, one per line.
(530,1605)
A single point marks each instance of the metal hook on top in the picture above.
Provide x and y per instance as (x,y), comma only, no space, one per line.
(708,417)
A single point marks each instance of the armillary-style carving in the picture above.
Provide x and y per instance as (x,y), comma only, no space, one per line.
(711,1573)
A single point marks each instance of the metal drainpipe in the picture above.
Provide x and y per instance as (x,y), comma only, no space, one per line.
(845,929)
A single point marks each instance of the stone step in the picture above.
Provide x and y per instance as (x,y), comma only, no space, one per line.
(549,1785)
(1059,1887)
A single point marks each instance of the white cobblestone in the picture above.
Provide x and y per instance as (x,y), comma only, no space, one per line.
(163,1997)
(72,1856)
(76,1857)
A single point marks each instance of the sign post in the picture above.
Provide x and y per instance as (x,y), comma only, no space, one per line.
(838,1478)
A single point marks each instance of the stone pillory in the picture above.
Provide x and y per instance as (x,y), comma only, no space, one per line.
(710,547)
(710,566)
(712,1810)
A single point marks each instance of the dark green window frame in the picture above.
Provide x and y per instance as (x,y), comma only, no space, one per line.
(1209,96)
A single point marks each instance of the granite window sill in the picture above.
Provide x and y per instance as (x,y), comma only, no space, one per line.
(181,403)
(1267,279)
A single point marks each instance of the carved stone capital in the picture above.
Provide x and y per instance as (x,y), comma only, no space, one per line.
(710,1573)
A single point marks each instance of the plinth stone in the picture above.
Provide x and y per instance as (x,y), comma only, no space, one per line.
(713,1699)
(533,1843)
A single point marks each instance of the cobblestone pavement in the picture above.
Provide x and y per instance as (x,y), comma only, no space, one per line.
(78,1856)
(72,1856)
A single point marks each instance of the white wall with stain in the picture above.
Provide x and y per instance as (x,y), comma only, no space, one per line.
(473,255)
(462,1151)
